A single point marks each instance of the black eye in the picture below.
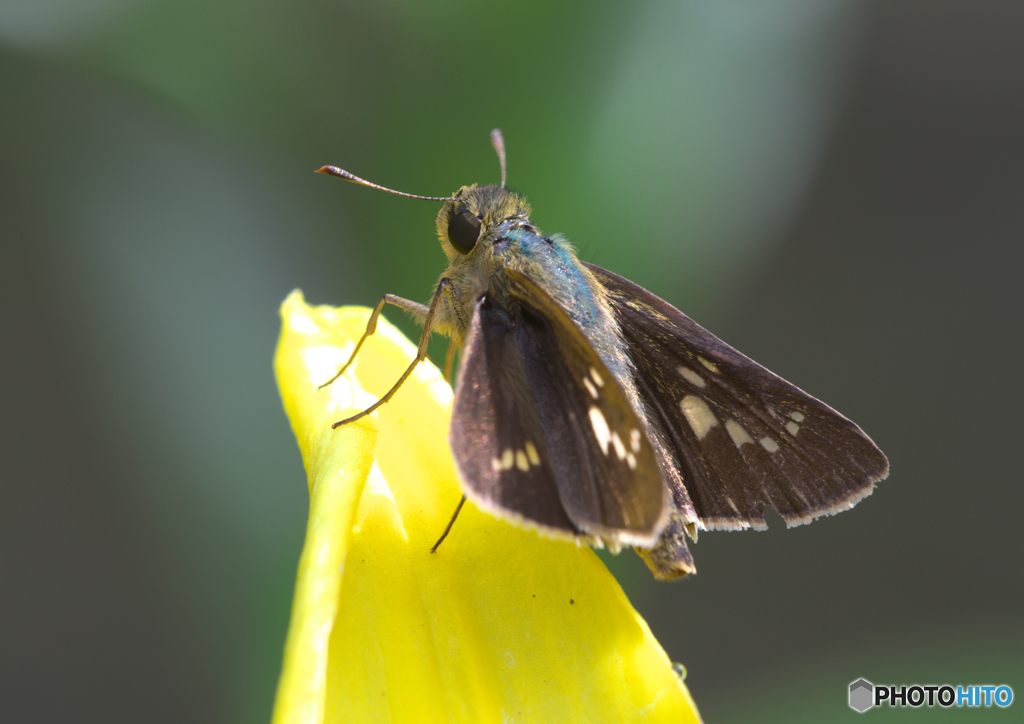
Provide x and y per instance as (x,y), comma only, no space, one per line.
(463,231)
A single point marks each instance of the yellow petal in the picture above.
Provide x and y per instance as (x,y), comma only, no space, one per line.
(499,625)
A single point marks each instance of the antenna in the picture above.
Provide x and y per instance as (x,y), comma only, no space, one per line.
(499,147)
(342,173)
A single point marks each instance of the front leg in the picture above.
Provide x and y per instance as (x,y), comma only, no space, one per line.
(421,353)
(415,308)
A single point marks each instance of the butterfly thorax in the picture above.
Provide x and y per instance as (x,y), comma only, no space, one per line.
(508,239)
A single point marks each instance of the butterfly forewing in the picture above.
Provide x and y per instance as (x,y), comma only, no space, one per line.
(496,436)
(529,376)
(742,436)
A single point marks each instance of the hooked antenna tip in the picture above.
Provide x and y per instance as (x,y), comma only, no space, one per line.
(342,173)
(498,141)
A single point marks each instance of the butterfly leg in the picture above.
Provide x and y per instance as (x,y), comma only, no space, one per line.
(450,524)
(421,353)
(418,310)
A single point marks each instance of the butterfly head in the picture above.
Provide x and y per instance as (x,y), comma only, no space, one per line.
(477,217)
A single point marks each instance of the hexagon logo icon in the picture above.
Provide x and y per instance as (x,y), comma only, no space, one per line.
(862,694)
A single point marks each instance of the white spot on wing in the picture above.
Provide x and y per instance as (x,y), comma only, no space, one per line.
(793,428)
(521,459)
(737,433)
(768,444)
(590,387)
(601,431)
(505,462)
(692,377)
(710,365)
(597,378)
(698,414)
(620,449)
(798,416)
(634,440)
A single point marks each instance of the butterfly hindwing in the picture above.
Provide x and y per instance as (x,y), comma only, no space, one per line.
(530,383)
(741,436)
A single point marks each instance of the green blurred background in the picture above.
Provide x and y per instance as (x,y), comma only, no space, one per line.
(834,187)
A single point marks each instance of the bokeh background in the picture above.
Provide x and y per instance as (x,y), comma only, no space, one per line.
(835,187)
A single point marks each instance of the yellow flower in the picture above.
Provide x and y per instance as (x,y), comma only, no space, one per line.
(500,625)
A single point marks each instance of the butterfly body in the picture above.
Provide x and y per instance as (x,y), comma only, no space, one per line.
(486,286)
(507,240)
(589,409)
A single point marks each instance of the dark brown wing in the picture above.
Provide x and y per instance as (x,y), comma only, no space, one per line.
(542,432)
(742,436)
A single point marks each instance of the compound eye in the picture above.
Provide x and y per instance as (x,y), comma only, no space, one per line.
(463,231)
